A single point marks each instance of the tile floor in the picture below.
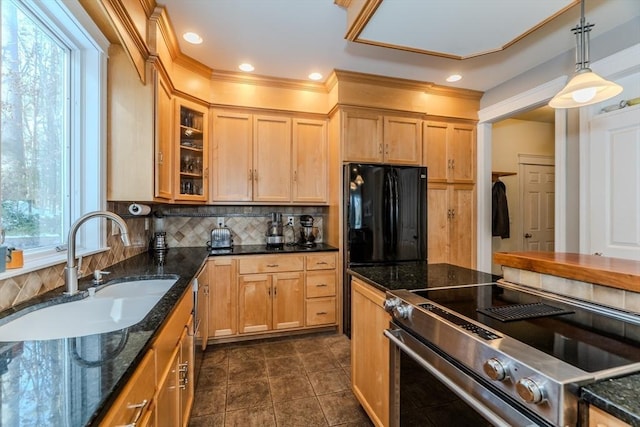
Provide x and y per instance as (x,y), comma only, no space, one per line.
(298,381)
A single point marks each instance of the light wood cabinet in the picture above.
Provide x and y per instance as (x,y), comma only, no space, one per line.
(370,351)
(202,310)
(310,161)
(223,274)
(134,404)
(450,151)
(369,137)
(269,159)
(192,145)
(599,418)
(163,140)
(320,289)
(160,392)
(451,224)
(270,302)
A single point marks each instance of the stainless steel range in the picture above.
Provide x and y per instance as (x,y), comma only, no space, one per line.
(515,355)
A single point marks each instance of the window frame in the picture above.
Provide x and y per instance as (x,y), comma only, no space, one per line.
(87,126)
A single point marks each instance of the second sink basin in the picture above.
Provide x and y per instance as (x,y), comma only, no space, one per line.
(112,308)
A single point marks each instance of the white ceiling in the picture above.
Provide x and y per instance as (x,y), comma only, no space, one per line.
(292,38)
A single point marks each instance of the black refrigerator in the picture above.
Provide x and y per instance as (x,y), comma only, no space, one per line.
(385,218)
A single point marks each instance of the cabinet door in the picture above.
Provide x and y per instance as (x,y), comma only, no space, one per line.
(168,402)
(271,159)
(370,351)
(362,137)
(186,374)
(310,161)
(163,141)
(599,418)
(402,140)
(202,310)
(462,148)
(232,170)
(192,160)
(254,303)
(288,300)
(435,151)
(438,223)
(223,297)
(462,202)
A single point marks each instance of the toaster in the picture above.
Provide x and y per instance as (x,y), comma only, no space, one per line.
(220,238)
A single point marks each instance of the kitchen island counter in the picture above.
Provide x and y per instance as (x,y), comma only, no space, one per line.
(617,396)
(419,275)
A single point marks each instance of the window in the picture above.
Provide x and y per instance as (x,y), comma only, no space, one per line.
(52,128)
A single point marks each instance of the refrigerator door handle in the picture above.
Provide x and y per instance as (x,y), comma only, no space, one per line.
(389,205)
(396,211)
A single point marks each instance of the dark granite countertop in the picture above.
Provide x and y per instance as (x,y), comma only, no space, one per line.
(419,275)
(263,249)
(619,397)
(73,381)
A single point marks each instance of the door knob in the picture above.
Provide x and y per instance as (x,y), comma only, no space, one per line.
(528,236)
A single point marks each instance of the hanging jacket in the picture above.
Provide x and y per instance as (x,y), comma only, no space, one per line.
(500,210)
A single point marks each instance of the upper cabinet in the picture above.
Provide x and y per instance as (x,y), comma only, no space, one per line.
(310,161)
(373,138)
(192,165)
(271,159)
(163,141)
(450,151)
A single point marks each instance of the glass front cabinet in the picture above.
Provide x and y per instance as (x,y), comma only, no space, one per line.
(192,164)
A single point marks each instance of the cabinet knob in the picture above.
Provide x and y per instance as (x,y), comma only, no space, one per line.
(255,174)
(528,236)
(250,175)
(380,148)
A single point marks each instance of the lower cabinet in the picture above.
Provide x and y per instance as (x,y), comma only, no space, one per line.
(160,391)
(599,418)
(256,294)
(370,351)
(270,302)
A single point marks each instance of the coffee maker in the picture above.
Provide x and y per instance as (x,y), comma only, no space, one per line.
(307,236)
(275,238)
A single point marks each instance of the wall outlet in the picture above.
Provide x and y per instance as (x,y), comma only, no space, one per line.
(290,220)
(220,221)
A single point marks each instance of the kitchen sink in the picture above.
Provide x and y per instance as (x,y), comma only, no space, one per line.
(111,308)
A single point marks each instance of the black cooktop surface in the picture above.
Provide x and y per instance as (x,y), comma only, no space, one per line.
(587,340)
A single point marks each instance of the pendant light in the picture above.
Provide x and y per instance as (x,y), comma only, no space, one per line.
(585,87)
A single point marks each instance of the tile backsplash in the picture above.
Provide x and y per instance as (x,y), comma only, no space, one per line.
(184,225)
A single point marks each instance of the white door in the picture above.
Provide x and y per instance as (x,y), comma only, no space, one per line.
(614,187)
(538,209)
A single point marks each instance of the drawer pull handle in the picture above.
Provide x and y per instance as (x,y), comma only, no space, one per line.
(139,410)
(321,263)
(321,285)
(272,265)
(321,313)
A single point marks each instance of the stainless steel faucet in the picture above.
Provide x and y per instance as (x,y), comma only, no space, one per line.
(71,271)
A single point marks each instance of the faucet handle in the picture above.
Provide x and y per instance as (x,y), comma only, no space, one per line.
(97,276)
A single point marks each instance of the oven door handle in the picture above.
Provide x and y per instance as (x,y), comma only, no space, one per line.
(394,337)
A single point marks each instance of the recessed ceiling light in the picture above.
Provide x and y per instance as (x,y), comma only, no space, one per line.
(192,38)
(315,76)
(454,78)
(246,67)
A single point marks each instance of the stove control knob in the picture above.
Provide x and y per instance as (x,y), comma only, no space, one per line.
(530,391)
(390,304)
(402,311)
(495,369)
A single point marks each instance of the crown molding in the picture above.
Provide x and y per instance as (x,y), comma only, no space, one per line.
(258,80)
(397,83)
(364,11)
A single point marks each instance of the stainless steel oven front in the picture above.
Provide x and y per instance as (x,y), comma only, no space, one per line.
(428,387)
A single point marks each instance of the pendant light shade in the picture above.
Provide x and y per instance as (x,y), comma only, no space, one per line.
(585,87)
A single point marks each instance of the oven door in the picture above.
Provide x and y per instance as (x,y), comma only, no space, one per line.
(425,384)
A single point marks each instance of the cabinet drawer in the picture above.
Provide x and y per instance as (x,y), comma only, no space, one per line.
(321,261)
(171,331)
(321,284)
(271,264)
(136,397)
(321,311)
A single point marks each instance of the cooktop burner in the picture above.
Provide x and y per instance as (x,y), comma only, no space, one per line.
(585,339)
